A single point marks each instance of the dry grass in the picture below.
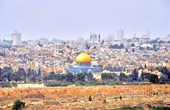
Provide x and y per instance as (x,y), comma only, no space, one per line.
(58,98)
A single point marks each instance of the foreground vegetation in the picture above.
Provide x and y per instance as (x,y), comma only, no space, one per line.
(8,78)
(140,108)
(99,97)
(18,105)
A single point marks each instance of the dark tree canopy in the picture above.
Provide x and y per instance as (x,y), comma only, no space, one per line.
(154,78)
(165,71)
(135,74)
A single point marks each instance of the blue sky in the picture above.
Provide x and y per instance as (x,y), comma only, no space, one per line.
(72,19)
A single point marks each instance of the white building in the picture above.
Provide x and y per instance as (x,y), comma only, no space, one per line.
(30,85)
(120,34)
(16,38)
(144,39)
(167,38)
(93,38)
(145,45)
(58,49)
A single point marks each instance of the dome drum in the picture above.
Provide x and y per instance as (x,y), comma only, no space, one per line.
(84,64)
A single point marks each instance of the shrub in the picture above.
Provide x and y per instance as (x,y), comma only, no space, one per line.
(5,84)
(90,98)
(159,108)
(14,84)
(18,104)
(104,101)
(120,97)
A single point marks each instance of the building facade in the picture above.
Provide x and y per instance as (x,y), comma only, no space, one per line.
(120,34)
(58,49)
(16,38)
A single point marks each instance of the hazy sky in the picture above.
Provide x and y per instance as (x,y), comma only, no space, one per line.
(71,19)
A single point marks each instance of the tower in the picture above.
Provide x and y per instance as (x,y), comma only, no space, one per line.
(93,38)
(58,49)
(99,38)
(120,34)
(16,38)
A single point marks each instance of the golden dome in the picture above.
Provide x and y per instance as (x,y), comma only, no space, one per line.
(83,58)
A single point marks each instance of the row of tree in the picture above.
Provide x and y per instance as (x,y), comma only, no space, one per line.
(164,78)
(53,79)
(116,46)
(7,74)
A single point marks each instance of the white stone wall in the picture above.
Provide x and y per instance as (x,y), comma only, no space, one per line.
(30,86)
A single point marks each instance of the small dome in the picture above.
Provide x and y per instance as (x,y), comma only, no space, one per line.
(83,58)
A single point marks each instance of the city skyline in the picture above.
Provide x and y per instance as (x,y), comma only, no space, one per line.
(73,19)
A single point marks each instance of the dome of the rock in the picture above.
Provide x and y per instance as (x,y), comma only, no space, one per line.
(83,58)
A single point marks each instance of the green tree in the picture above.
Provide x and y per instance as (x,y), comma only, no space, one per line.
(39,72)
(135,74)
(4,84)
(154,78)
(29,73)
(105,76)
(146,76)
(0,74)
(34,73)
(6,69)
(90,76)
(15,76)
(122,77)
(23,72)
(6,75)
(60,77)
(121,46)
(163,78)
(133,50)
(165,71)
(32,78)
(17,105)
(46,77)
(142,76)
(109,76)
(132,45)
(90,98)
(69,77)
(160,69)
(52,76)
(81,77)
(126,50)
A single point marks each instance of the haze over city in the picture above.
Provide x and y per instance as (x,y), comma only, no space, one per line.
(72,19)
(77,54)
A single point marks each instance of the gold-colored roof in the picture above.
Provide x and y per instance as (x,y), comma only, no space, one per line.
(83,58)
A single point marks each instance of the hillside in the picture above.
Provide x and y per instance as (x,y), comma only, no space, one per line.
(77,97)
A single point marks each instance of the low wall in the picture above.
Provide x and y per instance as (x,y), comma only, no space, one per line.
(80,92)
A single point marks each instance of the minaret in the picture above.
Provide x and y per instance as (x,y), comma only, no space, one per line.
(99,38)
(147,34)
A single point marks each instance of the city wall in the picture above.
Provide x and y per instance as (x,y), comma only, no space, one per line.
(125,91)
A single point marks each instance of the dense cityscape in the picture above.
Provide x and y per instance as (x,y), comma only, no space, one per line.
(36,60)
(84,54)
(97,61)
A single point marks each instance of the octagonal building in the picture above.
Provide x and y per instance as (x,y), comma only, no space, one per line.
(83,65)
